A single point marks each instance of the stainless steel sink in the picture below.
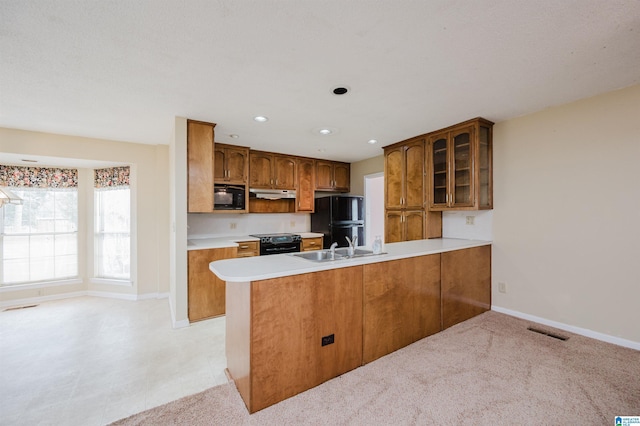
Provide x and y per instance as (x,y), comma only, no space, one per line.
(341,253)
(344,251)
(319,255)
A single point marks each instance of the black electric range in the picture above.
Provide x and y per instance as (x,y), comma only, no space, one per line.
(278,243)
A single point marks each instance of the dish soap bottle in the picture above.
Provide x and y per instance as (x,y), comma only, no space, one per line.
(377,245)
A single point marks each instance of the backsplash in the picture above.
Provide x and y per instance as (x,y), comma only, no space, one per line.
(454,225)
(214,225)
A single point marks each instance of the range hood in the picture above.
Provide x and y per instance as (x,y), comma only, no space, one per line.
(272,194)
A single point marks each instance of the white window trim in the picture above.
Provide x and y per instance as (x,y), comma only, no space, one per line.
(111,281)
(39,284)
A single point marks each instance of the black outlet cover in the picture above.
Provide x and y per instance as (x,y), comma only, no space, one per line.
(327,340)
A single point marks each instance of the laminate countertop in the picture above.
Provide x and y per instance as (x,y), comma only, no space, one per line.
(282,265)
(232,240)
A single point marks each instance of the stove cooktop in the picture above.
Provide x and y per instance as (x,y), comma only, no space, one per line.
(277,238)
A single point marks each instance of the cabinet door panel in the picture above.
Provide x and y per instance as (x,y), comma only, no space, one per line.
(260,170)
(439,168)
(285,172)
(462,168)
(306,186)
(286,337)
(341,177)
(414,172)
(219,164)
(324,175)
(199,167)
(237,165)
(413,225)
(393,226)
(401,304)
(205,291)
(466,284)
(393,178)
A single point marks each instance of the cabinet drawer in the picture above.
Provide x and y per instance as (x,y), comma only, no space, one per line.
(309,244)
(248,248)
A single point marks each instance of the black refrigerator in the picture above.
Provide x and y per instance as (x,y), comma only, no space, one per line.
(337,217)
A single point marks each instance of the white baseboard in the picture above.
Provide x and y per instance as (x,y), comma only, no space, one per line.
(573,329)
(40,299)
(110,295)
(176,324)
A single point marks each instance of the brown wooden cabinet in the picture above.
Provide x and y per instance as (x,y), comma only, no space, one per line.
(405,175)
(248,248)
(404,194)
(460,164)
(205,291)
(305,201)
(466,284)
(401,304)
(231,164)
(310,244)
(272,171)
(408,225)
(279,333)
(333,176)
(200,166)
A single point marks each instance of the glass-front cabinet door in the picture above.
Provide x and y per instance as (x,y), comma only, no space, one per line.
(439,170)
(461,176)
(461,192)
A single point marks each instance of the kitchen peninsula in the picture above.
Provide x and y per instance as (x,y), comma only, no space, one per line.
(292,324)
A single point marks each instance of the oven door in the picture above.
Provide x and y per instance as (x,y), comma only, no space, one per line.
(270,248)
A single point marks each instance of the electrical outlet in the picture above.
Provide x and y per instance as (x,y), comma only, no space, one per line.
(502,287)
(471,220)
(233,225)
(327,340)
(292,223)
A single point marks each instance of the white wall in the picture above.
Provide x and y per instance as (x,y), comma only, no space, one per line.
(151,174)
(566,226)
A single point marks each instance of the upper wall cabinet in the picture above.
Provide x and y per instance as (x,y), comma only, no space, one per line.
(306,184)
(200,166)
(231,164)
(333,176)
(404,175)
(272,171)
(460,163)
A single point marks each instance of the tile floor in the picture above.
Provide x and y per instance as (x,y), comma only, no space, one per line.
(91,361)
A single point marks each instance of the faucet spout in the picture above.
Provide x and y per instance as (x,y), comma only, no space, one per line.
(333,250)
(352,245)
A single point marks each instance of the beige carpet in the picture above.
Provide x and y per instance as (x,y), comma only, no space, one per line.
(489,370)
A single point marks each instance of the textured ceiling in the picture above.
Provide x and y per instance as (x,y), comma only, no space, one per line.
(122,69)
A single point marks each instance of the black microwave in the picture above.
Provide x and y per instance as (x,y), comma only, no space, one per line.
(228,197)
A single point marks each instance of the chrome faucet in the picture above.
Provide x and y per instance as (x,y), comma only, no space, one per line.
(352,245)
(332,249)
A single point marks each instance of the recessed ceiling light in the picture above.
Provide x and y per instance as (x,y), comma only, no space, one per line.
(340,90)
(372,141)
(260,118)
(324,131)
(233,136)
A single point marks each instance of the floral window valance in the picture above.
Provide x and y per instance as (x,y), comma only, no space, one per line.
(38,177)
(111,177)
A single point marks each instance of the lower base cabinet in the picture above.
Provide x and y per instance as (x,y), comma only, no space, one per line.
(286,335)
(466,284)
(205,291)
(401,301)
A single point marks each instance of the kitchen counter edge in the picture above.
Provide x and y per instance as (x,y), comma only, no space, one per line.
(283,265)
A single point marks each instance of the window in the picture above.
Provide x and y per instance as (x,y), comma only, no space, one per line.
(39,238)
(112,242)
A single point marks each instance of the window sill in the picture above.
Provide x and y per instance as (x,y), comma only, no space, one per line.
(6,288)
(111,281)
